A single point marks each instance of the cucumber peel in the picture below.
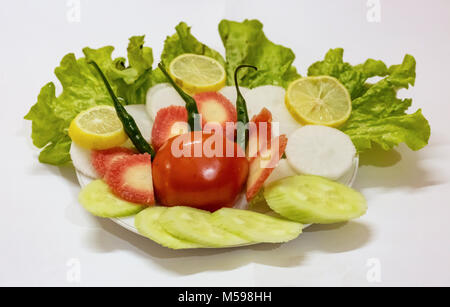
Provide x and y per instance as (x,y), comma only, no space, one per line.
(258,203)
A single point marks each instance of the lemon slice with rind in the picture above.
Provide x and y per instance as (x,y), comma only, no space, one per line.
(197,73)
(320,100)
(97,128)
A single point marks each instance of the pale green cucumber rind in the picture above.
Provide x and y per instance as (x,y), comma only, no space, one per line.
(147,223)
(97,198)
(196,226)
(255,226)
(287,198)
(258,203)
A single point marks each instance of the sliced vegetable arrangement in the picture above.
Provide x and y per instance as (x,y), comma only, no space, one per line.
(180,145)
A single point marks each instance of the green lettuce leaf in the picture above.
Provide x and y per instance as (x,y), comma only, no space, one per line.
(388,132)
(378,115)
(245,43)
(179,43)
(139,56)
(184,42)
(353,77)
(82,89)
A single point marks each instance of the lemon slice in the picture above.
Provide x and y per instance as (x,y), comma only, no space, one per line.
(97,128)
(320,100)
(197,73)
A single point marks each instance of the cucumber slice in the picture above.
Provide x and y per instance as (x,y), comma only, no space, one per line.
(98,199)
(313,199)
(255,226)
(195,225)
(147,224)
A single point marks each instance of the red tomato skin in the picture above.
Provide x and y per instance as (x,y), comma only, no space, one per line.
(208,183)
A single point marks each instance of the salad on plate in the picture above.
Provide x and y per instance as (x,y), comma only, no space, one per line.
(206,151)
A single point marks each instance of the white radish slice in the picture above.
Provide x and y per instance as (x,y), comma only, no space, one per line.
(320,150)
(151,91)
(230,93)
(282,170)
(81,159)
(282,120)
(143,121)
(266,96)
(161,96)
(272,98)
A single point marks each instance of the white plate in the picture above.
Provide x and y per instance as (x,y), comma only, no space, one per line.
(128,222)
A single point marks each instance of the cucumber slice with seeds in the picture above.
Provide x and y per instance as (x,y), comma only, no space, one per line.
(98,199)
(255,226)
(196,226)
(313,199)
(148,225)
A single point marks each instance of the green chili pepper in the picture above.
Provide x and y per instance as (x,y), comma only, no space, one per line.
(191,105)
(242,113)
(129,125)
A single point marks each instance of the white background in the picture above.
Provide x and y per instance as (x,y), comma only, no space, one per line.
(407,227)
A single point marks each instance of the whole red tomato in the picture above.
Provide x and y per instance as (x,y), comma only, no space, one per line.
(186,173)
